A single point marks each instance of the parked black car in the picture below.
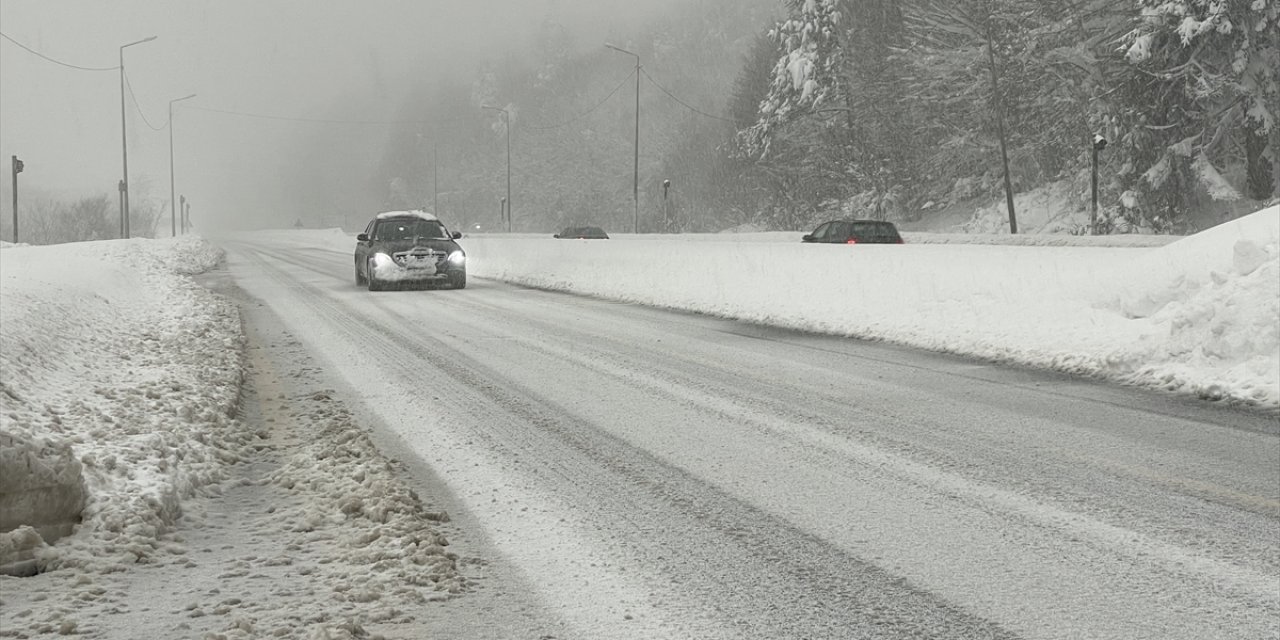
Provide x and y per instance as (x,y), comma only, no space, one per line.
(855,232)
(400,247)
(583,233)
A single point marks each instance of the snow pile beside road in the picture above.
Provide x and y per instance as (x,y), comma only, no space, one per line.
(1040,239)
(354,503)
(1081,309)
(110,351)
(116,365)
(1215,299)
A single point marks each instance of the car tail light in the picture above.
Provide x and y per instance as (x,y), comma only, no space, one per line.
(851,241)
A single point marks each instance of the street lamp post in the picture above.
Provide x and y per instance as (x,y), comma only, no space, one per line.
(635,183)
(124,147)
(506,120)
(173,212)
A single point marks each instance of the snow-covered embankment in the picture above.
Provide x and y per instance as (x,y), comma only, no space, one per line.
(111,353)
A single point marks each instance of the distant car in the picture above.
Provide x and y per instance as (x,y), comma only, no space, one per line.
(409,247)
(583,233)
(855,232)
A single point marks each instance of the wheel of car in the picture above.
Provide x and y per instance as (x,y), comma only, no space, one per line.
(372,280)
(359,278)
(458,280)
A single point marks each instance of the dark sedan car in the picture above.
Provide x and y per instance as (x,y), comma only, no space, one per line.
(583,233)
(855,232)
(409,247)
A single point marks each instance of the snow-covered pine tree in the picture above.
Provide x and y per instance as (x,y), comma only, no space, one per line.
(809,73)
(1215,74)
(836,89)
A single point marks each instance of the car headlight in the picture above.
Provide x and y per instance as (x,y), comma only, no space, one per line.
(457,258)
(382,260)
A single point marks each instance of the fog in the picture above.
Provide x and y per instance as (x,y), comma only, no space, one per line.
(262,72)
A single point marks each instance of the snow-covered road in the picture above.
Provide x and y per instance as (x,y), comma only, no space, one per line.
(664,475)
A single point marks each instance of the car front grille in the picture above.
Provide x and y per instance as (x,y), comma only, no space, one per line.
(420,257)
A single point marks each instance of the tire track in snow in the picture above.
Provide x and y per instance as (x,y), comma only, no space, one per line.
(1040,530)
(757,576)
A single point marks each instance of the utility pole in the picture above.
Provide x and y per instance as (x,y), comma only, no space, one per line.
(173,213)
(635,182)
(16,166)
(124,147)
(182,206)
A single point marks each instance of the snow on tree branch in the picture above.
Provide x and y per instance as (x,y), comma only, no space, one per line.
(807,74)
(1217,65)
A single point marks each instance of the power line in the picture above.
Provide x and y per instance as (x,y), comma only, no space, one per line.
(138,107)
(70,66)
(584,113)
(316,120)
(264,116)
(682,102)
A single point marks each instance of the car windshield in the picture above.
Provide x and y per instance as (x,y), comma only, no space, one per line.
(410,229)
(874,230)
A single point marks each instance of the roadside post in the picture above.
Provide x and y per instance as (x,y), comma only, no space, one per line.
(17,166)
(1099,143)
(124,233)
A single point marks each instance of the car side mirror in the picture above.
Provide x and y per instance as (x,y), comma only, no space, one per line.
(456,235)
(807,238)
(363,237)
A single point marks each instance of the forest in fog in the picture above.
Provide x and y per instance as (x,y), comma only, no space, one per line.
(660,116)
(777,114)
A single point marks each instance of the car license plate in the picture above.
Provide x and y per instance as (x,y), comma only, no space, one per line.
(425,264)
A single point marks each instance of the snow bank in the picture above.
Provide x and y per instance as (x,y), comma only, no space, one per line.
(1213,302)
(116,367)
(356,505)
(42,489)
(1064,303)
(110,350)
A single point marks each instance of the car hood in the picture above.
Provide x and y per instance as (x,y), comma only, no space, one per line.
(396,246)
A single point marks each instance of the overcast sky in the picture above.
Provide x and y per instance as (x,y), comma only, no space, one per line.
(330,59)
